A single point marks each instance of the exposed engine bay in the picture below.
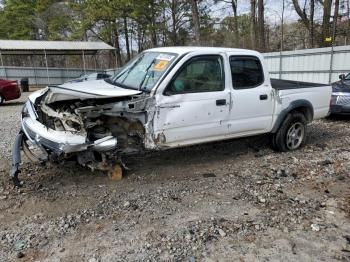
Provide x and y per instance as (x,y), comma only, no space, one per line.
(95,131)
(96,120)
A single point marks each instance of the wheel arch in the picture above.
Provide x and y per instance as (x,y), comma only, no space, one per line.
(301,105)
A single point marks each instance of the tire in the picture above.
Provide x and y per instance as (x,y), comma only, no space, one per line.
(1,99)
(292,133)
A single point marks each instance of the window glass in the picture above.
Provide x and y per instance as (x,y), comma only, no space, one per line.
(246,72)
(200,74)
(143,72)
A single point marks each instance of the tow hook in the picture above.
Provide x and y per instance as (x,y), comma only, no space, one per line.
(114,171)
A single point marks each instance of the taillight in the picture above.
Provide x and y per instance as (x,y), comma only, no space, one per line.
(333,99)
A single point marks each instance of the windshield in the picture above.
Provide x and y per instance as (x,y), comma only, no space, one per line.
(143,72)
(347,77)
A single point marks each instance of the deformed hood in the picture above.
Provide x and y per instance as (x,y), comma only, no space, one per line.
(96,89)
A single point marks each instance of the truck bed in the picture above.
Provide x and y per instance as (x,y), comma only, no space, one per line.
(280,84)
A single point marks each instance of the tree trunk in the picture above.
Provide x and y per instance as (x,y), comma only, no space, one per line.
(326,32)
(312,27)
(126,34)
(261,25)
(196,23)
(348,31)
(153,27)
(308,23)
(235,23)
(301,14)
(119,61)
(282,27)
(253,23)
(335,20)
(173,18)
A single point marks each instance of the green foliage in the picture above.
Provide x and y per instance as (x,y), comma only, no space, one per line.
(225,36)
(134,25)
(17,19)
(35,19)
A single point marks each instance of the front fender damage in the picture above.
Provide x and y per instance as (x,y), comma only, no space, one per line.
(95,132)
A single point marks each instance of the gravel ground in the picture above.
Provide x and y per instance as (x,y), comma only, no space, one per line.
(228,201)
(10,124)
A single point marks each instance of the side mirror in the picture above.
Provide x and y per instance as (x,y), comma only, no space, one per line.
(342,77)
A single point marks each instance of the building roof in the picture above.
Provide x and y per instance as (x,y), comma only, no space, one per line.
(51,47)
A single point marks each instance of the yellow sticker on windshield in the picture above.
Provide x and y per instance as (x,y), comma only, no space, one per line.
(160,66)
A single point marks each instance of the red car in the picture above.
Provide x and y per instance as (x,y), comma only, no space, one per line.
(9,90)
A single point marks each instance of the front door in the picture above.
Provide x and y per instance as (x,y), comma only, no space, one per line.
(194,106)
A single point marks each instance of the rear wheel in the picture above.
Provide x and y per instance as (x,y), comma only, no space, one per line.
(292,133)
(1,99)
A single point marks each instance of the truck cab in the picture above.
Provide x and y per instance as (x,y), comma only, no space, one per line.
(214,94)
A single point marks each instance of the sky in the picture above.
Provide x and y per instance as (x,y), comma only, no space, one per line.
(273,10)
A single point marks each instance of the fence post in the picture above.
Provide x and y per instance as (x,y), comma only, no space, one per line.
(332,50)
(34,68)
(280,72)
(84,61)
(2,64)
(47,68)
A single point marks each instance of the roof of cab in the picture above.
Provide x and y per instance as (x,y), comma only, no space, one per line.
(187,49)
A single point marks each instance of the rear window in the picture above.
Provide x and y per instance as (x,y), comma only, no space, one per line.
(246,72)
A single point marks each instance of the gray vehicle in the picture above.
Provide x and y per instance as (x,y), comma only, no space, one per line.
(340,103)
(90,77)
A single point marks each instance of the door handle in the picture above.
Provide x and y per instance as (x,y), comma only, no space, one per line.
(221,102)
(263,97)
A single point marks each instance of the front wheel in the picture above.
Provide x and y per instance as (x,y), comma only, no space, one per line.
(2,99)
(292,133)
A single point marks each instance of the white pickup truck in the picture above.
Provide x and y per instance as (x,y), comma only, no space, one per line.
(165,98)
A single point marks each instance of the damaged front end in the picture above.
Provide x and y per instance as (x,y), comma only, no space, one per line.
(95,128)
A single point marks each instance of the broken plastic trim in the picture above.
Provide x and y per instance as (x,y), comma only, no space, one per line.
(16,159)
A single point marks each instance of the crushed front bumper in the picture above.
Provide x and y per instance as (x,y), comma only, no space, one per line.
(51,141)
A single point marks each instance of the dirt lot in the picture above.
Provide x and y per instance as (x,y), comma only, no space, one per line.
(228,201)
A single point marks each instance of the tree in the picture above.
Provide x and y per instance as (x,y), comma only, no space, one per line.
(196,22)
(178,11)
(235,22)
(98,21)
(225,34)
(307,21)
(17,20)
(233,4)
(253,22)
(54,19)
(335,20)
(312,25)
(261,25)
(326,30)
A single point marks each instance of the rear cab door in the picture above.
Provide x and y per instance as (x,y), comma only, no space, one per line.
(252,95)
(193,101)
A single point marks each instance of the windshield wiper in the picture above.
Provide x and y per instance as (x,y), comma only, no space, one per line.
(127,72)
(146,74)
